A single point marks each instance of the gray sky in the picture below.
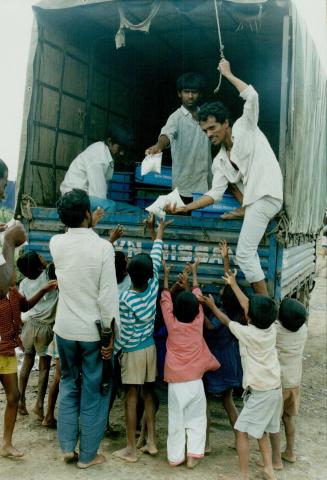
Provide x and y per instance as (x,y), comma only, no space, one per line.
(15,28)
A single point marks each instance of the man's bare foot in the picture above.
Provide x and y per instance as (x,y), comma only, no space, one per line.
(192,462)
(22,410)
(125,454)
(38,412)
(288,457)
(276,466)
(150,449)
(49,422)
(70,457)
(97,460)
(10,451)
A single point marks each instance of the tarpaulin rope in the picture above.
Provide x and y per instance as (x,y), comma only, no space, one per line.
(221,46)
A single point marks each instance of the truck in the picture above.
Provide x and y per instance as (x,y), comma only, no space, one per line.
(93,62)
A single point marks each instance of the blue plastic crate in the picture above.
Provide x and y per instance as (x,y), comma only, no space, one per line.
(114,186)
(143,202)
(163,179)
(122,177)
(120,196)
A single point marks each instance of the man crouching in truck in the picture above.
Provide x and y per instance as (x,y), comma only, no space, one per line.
(94,167)
(245,155)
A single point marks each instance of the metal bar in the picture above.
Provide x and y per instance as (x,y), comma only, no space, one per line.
(47,165)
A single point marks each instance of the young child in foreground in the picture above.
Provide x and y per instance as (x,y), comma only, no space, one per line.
(10,326)
(292,334)
(138,360)
(187,359)
(37,331)
(261,374)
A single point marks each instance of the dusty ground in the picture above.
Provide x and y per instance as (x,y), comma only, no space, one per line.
(42,458)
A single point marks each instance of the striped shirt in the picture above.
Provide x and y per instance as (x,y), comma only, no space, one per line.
(138,310)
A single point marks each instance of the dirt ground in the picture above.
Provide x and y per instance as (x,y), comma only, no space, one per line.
(42,458)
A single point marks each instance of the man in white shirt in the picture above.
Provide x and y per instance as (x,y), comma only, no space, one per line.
(245,157)
(94,167)
(85,270)
(190,148)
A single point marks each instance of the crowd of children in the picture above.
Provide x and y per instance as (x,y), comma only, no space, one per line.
(204,349)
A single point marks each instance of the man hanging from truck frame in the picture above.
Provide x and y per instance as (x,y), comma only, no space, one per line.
(245,155)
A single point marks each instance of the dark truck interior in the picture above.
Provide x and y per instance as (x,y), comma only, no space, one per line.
(82,82)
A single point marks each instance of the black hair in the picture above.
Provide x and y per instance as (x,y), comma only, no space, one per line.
(231,305)
(190,81)
(73,206)
(120,265)
(292,314)
(140,269)
(262,311)
(186,307)
(120,135)
(30,265)
(3,168)
(214,109)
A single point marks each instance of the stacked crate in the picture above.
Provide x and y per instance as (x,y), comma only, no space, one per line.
(148,187)
(120,187)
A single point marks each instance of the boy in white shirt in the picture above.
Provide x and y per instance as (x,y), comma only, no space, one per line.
(292,333)
(261,374)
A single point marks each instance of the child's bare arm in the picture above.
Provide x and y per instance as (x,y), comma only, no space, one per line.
(27,304)
(208,325)
(209,302)
(194,268)
(230,279)
(149,224)
(223,247)
(166,269)
(161,228)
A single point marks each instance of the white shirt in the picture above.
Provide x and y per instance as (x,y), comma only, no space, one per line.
(45,309)
(259,170)
(90,171)
(190,153)
(290,346)
(85,269)
(261,370)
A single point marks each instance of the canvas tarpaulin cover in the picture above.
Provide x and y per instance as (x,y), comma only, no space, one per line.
(306,141)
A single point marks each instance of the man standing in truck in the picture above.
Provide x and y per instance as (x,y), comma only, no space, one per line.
(94,167)
(190,148)
(245,155)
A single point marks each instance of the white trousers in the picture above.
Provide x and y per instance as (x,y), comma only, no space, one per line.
(256,218)
(187,421)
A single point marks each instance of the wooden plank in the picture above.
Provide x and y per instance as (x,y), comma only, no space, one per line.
(68,147)
(75,77)
(72,115)
(51,61)
(47,106)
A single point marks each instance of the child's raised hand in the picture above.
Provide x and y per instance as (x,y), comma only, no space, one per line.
(207,301)
(149,222)
(223,248)
(166,267)
(53,285)
(230,278)
(183,281)
(97,215)
(116,233)
(161,227)
(195,264)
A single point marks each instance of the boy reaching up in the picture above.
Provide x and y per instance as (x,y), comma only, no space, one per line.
(261,374)
(138,359)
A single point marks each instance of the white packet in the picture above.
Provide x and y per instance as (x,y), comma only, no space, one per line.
(151,163)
